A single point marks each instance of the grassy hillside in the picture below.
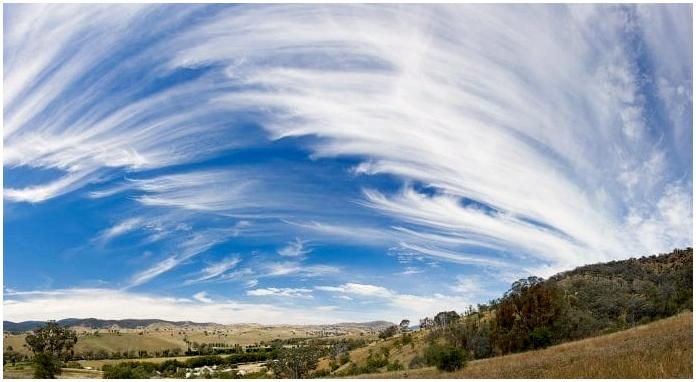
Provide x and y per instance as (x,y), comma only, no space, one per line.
(662,349)
(536,313)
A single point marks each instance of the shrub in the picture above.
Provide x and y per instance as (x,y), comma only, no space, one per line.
(344,358)
(395,366)
(170,367)
(406,339)
(129,370)
(540,337)
(225,375)
(73,365)
(445,357)
(374,363)
(417,362)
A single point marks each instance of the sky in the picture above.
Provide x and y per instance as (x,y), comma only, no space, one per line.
(316,164)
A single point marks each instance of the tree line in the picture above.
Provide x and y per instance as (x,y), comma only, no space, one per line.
(591,300)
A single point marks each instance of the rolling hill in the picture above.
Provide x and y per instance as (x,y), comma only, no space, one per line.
(587,302)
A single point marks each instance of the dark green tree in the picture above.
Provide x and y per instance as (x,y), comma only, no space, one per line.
(390,331)
(45,366)
(446,318)
(445,357)
(295,362)
(51,345)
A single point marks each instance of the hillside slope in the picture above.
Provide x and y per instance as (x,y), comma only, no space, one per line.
(662,349)
(586,302)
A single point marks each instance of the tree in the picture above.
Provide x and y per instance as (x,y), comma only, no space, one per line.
(295,362)
(51,345)
(404,325)
(11,356)
(390,331)
(446,318)
(526,314)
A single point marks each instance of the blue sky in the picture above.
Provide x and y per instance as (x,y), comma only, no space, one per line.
(311,164)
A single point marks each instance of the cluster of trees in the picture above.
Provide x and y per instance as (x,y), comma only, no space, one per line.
(147,370)
(388,332)
(10,356)
(130,354)
(177,369)
(295,362)
(392,330)
(195,348)
(591,300)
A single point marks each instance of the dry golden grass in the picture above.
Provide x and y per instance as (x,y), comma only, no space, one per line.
(663,349)
(397,352)
(27,373)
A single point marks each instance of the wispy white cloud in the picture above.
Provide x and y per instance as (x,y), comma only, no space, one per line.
(454,116)
(280,292)
(297,268)
(400,304)
(295,248)
(410,271)
(198,243)
(358,289)
(121,228)
(215,269)
(532,155)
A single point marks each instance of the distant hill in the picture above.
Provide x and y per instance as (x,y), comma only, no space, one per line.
(95,323)
(374,325)
(18,327)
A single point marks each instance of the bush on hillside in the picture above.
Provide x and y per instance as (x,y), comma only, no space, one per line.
(445,357)
(417,362)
